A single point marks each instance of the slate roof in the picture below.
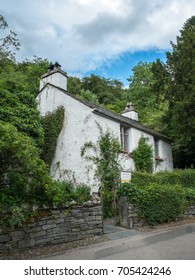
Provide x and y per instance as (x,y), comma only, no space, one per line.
(114,116)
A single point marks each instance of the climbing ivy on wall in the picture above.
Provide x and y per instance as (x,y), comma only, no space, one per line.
(143,155)
(52,124)
(106,159)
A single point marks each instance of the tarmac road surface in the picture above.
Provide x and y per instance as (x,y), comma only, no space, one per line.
(176,243)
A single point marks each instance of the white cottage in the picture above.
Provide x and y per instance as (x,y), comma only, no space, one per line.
(80,126)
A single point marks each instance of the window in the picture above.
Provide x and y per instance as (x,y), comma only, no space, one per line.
(124,139)
(156,148)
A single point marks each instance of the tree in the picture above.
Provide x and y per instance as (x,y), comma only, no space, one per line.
(88,95)
(8,44)
(19,84)
(107,92)
(144,96)
(74,85)
(30,72)
(20,110)
(177,78)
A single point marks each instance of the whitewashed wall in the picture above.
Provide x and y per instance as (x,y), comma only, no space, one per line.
(80,126)
(165,152)
(57,79)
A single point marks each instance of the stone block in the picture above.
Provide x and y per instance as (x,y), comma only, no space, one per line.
(59,220)
(37,234)
(5,238)
(34,229)
(46,227)
(26,243)
(43,241)
(90,218)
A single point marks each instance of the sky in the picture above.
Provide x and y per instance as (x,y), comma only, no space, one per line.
(104,37)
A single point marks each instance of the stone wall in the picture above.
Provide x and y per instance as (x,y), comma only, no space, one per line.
(129,214)
(53,227)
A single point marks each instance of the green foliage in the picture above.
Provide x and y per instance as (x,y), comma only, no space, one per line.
(157,203)
(20,110)
(106,160)
(87,95)
(65,193)
(23,176)
(52,124)
(176,78)
(99,90)
(8,44)
(14,215)
(29,72)
(185,178)
(23,76)
(145,97)
(143,178)
(190,196)
(142,156)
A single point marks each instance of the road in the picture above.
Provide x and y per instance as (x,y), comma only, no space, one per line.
(176,243)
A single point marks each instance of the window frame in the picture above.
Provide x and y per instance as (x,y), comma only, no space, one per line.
(124,138)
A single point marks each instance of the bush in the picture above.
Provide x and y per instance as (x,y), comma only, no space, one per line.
(157,203)
(65,193)
(185,178)
(23,174)
(142,178)
(190,196)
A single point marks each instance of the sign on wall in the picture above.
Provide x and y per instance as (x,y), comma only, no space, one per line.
(125,176)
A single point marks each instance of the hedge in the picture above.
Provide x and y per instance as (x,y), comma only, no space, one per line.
(156,203)
(185,178)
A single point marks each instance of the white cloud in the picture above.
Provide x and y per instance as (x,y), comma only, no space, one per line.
(81,34)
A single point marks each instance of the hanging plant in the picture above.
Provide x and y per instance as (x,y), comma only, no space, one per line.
(158,160)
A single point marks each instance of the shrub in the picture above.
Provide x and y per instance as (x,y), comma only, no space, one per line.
(156,203)
(64,193)
(142,178)
(81,194)
(185,178)
(23,174)
(190,196)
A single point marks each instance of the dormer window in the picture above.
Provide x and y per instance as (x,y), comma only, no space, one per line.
(124,133)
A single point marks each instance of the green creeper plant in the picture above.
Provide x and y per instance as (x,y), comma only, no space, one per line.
(106,159)
(52,124)
(143,156)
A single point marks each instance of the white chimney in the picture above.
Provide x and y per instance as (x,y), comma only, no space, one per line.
(54,76)
(130,112)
